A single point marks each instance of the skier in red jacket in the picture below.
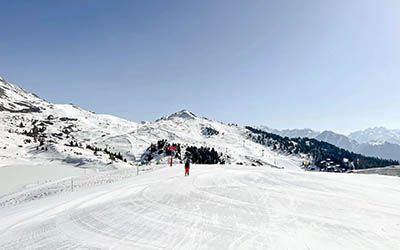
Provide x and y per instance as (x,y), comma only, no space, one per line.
(187,167)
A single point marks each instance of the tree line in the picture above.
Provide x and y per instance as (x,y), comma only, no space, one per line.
(321,152)
(197,155)
(113,156)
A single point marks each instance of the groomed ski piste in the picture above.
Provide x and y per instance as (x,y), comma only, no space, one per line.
(216,207)
(63,196)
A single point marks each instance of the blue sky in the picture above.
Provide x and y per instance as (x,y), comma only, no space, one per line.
(285,64)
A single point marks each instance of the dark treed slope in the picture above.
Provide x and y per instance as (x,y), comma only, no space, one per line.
(321,152)
(197,155)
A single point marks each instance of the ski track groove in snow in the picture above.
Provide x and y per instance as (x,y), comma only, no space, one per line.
(214,208)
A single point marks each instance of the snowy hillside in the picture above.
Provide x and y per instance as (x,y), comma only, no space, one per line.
(216,207)
(63,124)
(58,126)
(15,99)
(56,191)
(186,128)
(38,139)
(35,133)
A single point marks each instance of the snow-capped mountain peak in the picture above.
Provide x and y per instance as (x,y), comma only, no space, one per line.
(291,133)
(182,114)
(378,142)
(17,100)
(337,139)
(381,134)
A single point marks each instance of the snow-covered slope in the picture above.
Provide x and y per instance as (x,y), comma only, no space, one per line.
(186,128)
(216,207)
(15,99)
(61,125)
(38,133)
(35,133)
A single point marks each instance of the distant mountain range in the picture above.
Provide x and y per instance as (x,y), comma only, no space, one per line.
(378,142)
(378,134)
(325,156)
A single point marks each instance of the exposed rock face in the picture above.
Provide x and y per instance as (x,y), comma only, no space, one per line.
(16,100)
(183,114)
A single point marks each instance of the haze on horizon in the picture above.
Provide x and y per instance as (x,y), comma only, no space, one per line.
(284,64)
